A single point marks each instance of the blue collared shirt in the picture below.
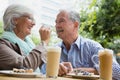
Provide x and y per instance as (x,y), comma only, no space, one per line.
(81,53)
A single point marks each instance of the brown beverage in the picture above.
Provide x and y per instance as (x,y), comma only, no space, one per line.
(53,59)
(105,57)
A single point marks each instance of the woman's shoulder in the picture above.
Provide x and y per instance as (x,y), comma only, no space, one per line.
(6,42)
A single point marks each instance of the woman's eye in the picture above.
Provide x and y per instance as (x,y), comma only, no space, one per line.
(30,18)
(61,21)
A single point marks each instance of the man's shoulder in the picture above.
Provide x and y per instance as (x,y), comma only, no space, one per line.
(89,42)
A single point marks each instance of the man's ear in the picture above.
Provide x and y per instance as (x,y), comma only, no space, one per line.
(76,24)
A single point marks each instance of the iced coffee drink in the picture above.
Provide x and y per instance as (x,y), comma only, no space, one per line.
(105,57)
(53,59)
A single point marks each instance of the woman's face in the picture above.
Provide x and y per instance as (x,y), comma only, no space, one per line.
(24,24)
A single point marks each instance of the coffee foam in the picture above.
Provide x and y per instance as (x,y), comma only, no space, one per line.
(53,49)
(105,51)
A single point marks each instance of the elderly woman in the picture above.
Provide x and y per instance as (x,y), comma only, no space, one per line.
(16,48)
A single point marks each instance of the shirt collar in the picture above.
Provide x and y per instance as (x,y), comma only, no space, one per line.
(77,43)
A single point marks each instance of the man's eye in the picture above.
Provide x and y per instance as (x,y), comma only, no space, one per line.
(28,17)
(61,21)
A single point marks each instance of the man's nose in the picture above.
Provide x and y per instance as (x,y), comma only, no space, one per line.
(56,25)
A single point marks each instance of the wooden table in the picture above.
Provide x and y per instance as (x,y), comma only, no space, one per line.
(5,77)
(38,77)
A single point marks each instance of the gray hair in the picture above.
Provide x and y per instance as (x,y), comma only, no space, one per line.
(14,10)
(73,15)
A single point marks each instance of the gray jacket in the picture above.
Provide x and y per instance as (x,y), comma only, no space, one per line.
(11,56)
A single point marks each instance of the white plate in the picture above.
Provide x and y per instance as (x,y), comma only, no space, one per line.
(27,75)
(84,76)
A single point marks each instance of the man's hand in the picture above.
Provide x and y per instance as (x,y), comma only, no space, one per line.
(64,68)
(91,70)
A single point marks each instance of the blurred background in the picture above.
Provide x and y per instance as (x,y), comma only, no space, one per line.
(45,11)
(100,19)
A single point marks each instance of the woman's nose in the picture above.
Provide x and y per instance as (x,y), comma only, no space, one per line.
(33,22)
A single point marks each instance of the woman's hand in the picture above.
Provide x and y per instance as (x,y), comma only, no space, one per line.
(45,34)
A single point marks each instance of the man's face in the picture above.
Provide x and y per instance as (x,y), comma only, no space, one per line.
(64,26)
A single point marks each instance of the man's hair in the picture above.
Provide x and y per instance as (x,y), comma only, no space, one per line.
(73,15)
(14,11)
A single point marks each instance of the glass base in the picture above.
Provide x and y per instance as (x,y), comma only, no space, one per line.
(52,77)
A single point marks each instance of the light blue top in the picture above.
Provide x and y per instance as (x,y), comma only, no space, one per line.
(81,53)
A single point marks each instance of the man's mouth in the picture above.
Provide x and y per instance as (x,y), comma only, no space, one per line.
(60,31)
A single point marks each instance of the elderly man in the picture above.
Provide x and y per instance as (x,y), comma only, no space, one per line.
(76,49)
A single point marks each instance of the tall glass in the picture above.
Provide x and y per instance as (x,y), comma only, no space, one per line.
(53,59)
(105,57)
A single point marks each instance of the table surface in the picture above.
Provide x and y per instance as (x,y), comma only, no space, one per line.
(39,77)
(6,77)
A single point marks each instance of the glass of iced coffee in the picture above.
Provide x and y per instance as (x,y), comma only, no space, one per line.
(105,57)
(53,59)
(105,63)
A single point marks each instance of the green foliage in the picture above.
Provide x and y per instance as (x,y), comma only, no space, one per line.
(102,23)
(1,28)
(35,39)
(108,19)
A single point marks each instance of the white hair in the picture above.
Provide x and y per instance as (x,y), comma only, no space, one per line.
(73,15)
(14,10)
